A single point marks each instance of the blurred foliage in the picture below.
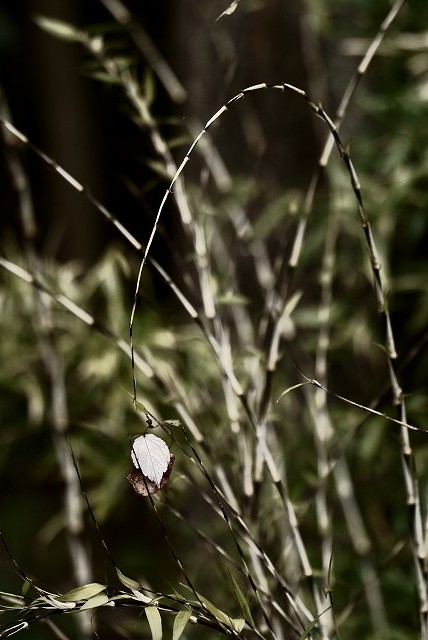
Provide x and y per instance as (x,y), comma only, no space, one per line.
(182,377)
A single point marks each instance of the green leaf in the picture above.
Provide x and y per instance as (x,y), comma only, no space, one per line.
(242,601)
(236,624)
(230,298)
(295,386)
(101,76)
(149,86)
(59,29)
(25,587)
(155,622)
(179,141)
(180,621)
(57,602)
(140,596)
(95,601)
(311,625)
(159,168)
(82,593)
(139,406)
(172,423)
(128,582)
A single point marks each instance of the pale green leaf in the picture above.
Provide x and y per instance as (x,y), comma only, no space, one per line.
(140,596)
(295,386)
(101,76)
(95,601)
(159,168)
(179,141)
(242,600)
(236,624)
(139,406)
(56,602)
(82,593)
(172,423)
(311,625)
(233,299)
(155,622)
(180,621)
(128,582)
(149,86)
(292,303)
(58,28)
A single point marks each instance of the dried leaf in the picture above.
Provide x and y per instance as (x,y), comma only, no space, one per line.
(151,456)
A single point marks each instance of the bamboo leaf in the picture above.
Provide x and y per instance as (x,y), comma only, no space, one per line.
(236,624)
(56,602)
(139,406)
(95,601)
(155,622)
(149,86)
(82,593)
(242,600)
(58,28)
(295,386)
(128,582)
(230,9)
(311,625)
(180,621)
(140,596)
(158,168)
(172,423)
(230,298)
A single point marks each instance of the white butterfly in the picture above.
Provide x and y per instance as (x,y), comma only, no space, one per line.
(153,461)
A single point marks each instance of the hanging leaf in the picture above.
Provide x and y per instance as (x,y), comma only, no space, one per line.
(153,462)
(181,619)
(151,455)
(155,622)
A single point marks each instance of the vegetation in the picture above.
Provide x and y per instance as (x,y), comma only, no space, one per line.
(273,335)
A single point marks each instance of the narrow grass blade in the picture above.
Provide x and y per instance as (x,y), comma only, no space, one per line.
(181,619)
(155,622)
